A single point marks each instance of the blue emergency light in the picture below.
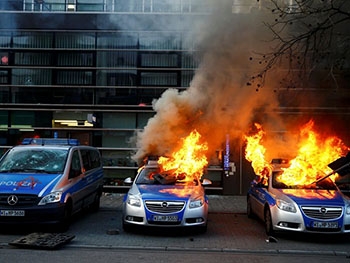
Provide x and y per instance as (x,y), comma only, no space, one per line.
(50,141)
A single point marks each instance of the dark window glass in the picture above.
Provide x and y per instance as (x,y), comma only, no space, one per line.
(75,59)
(74,77)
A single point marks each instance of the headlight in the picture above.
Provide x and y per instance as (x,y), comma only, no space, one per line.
(285,206)
(134,201)
(198,202)
(348,210)
(51,198)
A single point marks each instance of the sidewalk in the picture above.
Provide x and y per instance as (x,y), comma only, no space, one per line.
(217,203)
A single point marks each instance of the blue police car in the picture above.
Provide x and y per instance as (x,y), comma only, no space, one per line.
(162,199)
(46,181)
(319,207)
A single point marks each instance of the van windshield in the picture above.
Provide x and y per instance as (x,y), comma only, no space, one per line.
(34,160)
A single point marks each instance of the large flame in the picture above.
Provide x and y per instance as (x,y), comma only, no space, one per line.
(255,152)
(189,160)
(312,159)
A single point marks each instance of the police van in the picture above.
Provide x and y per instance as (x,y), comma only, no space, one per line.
(46,181)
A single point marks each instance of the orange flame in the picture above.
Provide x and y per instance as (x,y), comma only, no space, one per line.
(255,153)
(311,163)
(189,161)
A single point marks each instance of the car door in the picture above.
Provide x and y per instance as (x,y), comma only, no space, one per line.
(76,179)
(93,174)
(258,193)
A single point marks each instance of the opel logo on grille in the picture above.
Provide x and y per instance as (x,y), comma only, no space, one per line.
(12,200)
(323,210)
(164,204)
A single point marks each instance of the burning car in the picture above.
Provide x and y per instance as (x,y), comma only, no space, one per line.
(161,198)
(317,207)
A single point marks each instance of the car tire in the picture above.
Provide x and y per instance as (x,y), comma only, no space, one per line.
(268,222)
(95,206)
(202,229)
(126,227)
(64,224)
(250,213)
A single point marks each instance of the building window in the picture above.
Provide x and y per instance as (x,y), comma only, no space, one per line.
(159,60)
(75,40)
(168,6)
(159,79)
(76,59)
(32,58)
(32,40)
(90,5)
(117,40)
(74,77)
(5,40)
(29,77)
(117,59)
(129,5)
(4,77)
(116,78)
(4,58)
(160,40)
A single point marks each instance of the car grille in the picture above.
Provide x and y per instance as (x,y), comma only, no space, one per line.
(164,206)
(23,200)
(321,212)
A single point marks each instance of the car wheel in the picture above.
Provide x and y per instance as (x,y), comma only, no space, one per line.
(268,222)
(250,213)
(202,229)
(63,226)
(95,206)
(126,227)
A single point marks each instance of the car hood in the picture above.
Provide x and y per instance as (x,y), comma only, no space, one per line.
(27,183)
(314,196)
(168,192)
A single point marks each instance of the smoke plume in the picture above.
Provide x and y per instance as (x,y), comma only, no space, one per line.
(219,101)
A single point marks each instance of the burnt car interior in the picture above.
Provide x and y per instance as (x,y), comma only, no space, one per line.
(326,183)
(154,176)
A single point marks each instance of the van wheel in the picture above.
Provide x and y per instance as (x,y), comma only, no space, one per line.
(95,206)
(66,220)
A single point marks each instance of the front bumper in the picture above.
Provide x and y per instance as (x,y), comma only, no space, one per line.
(46,214)
(297,222)
(185,218)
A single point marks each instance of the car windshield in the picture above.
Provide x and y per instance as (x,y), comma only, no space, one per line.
(154,176)
(326,184)
(34,160)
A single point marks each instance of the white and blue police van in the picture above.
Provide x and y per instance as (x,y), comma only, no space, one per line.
(47,180)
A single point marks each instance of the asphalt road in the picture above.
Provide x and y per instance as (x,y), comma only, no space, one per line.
(231,234)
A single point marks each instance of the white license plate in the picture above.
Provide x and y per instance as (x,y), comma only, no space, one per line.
(317,224)
(11,212)
(165,218)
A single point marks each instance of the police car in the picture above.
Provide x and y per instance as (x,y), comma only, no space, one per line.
(46,181)
(162,199)
(319,207)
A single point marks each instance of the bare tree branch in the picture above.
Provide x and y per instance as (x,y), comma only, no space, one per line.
(308,36)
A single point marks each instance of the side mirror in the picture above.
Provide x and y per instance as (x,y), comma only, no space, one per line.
(128,181)
(206,182)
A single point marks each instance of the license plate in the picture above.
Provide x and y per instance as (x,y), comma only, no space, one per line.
(11,212)
(165,218)
(317,224)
